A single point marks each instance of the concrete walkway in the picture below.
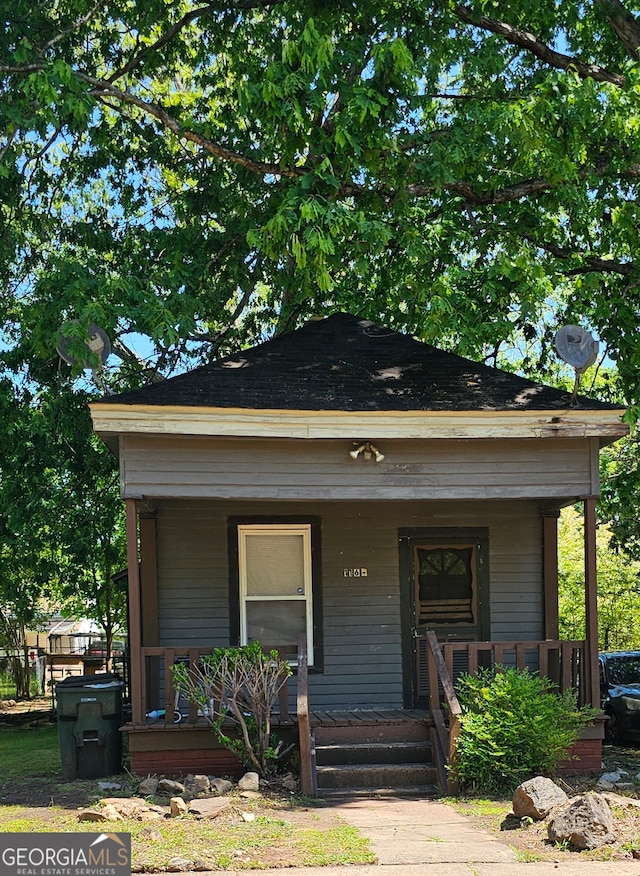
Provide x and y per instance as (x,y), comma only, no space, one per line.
(406,835)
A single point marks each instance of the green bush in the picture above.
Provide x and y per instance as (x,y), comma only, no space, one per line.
(514,725)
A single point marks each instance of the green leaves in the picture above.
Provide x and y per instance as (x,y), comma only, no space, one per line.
(161,164)
(62,537)
(513,726)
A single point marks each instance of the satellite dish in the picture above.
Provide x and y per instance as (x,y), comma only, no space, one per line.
(97,340)
(576,346)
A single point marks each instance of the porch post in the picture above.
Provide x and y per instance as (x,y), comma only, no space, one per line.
(149,634)
(591,599)
(134,611)
(149,579)
(550,573)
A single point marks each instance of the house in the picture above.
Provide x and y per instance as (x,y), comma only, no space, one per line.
(350,483)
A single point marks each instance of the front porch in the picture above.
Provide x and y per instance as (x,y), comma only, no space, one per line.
(360,750)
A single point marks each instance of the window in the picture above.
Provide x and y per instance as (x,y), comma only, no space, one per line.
(276,598)
(445,585)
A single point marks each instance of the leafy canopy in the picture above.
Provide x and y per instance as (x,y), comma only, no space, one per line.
(207,172)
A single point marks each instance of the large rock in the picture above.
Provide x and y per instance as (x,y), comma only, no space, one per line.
(179,865)
(584,822)
(197,786)
(249,782)
(148,787)
(220,786)
(134,807)
(170,788)
(536,798)
(93,815)
(210,807)
(178,807)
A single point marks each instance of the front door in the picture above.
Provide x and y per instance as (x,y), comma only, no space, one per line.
(445,589)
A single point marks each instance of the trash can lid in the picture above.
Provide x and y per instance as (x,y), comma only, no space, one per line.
(99,680)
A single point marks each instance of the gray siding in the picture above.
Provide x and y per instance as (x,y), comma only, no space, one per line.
(163,466)
(362,623)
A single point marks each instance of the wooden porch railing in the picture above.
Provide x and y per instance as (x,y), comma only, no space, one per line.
(156,663)
(564,663)
(443,740)
(305,737)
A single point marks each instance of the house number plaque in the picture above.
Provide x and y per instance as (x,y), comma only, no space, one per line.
(355,573)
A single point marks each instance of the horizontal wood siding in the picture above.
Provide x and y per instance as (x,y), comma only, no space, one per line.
(192,564)
(361,623)
(515,548)
(282,469)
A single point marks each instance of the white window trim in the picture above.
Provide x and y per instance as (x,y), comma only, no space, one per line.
(277,529)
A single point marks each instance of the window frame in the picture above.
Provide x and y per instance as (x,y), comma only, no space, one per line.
(473,568)
(313,557)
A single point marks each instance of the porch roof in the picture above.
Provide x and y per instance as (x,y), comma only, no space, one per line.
(343,365)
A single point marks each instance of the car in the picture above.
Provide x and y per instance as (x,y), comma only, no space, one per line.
(620,695)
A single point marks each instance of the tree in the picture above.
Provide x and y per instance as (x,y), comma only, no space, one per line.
(62,534)
(207,173)
(618,586)
(620,474)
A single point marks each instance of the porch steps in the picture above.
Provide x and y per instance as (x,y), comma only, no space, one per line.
(374,760)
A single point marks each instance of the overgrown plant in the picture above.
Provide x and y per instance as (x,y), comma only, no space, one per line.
(236,688)
(514,725)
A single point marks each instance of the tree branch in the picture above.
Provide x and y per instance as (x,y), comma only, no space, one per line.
(519,190)
(161,41)
(624,25)
(102,91)
(592,264)
(75,26)
(530,43)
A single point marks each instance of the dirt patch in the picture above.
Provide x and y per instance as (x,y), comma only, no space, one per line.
(32,712)
(530,840)
(44,792)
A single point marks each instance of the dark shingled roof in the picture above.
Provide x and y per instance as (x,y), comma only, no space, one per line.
(346,363)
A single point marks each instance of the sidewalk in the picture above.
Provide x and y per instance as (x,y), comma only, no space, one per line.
(408,834)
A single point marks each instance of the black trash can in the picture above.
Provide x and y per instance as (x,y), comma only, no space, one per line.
(89,713)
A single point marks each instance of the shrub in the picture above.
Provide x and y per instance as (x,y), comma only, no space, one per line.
(514,725)
(236,689)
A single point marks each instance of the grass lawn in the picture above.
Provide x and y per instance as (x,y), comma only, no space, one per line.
(254,833)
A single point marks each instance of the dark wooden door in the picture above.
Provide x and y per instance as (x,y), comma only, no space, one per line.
(446,590)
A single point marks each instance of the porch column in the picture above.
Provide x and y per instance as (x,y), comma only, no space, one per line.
(550,573)
(135,679)
(149,631)
(591,599)
(149,579)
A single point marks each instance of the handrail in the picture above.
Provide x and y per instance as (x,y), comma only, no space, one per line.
(307,771)
(446,741)
(193,654)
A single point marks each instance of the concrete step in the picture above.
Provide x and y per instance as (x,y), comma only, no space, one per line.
(375,732)
(418,751)
(375,775)
(429,792)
